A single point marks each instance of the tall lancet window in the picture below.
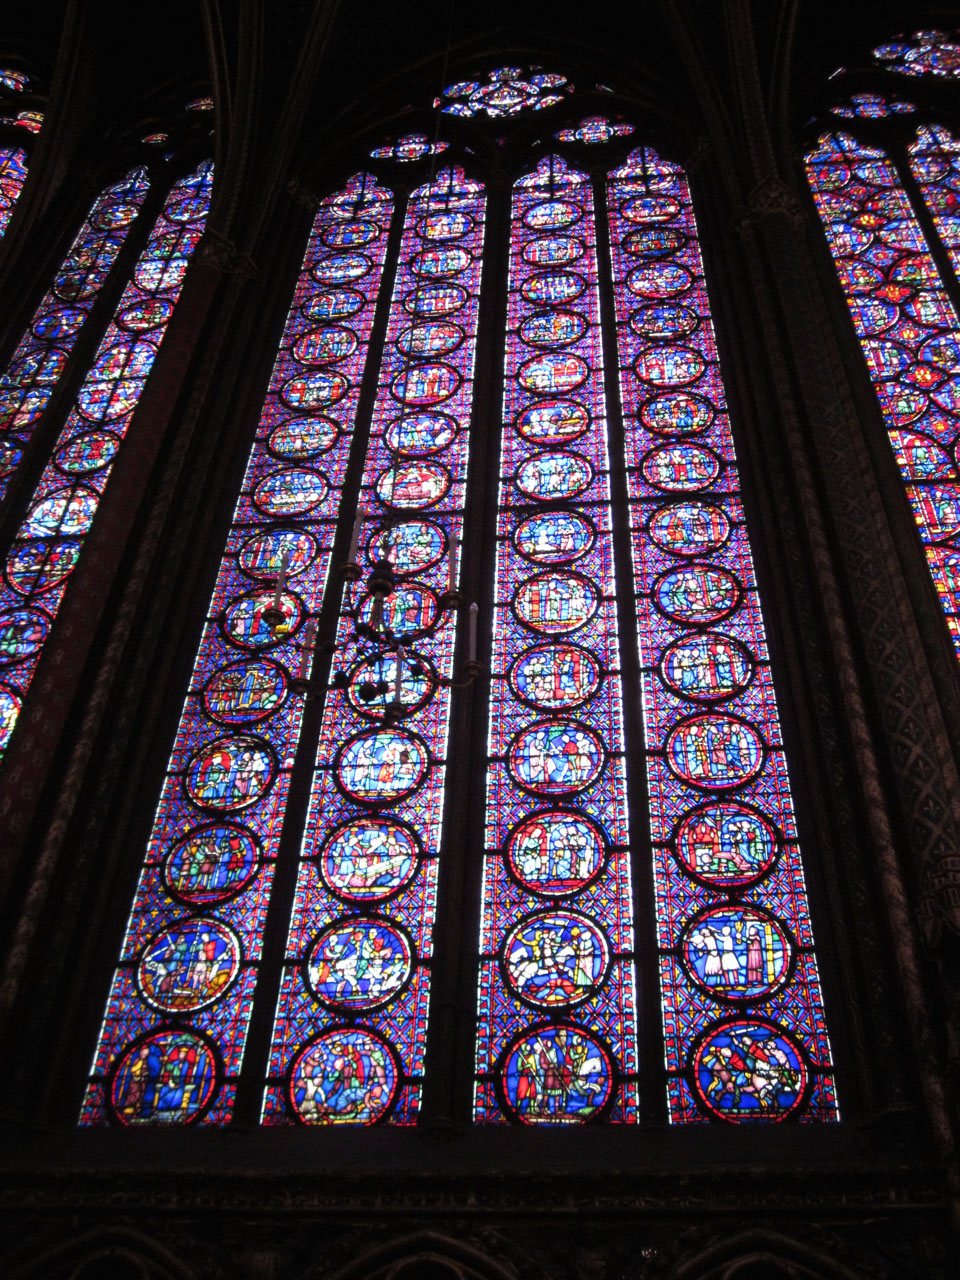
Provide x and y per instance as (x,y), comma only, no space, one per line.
(64,502)
(20,116)
(524,382)
(888,192)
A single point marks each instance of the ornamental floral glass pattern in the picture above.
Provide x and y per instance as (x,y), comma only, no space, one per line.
(414,146)
(742,1008)
(927,53)
(556,1018)
(935,163)
(39,360)
(178,1012)
(594,130)
(48,543)
(13,174)
(507,92)
(907,325)
(351,1023)
(871,106)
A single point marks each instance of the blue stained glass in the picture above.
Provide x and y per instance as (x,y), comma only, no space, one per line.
(721,814)
(915,363)
(925,53)
(13,174)
(210,861)
(507,92)
(594,130)
(66,499)
(374,823)
(556,796)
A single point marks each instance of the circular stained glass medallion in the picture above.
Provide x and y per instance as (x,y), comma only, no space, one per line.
(167,1077)
(681,468)
(311,391)
(382,766)
(434,338)
(373,684)
(189,964)
(408,612)
(736,952)
(369,859)
(321,346)
(726,845)
(334,304)
(144,316)
(425,384)
(9,711)
(245,692)
(664,320)
(555,676)
(553,328)
(555,757)
(549,215)
(690,528)
(290,492)
(22,633)
(669,365)
(714,751)
(68,511)
(696,594)
(347,1075)
(747,1069)
(552,287)
(88,452)
(555,959)
(413,484)
(420,434)
(553,251)
(262,555)
(553,422)
(706,666)
(677,413)
(300,438)
(243,619)
(650,209)
(555,603)
(552,537)
(444,224)
(554,853)
(37,566)
(211,864)
(338,268)
(230,773)
(554,373)
(359,963)
(556,1075)
(659,280)
(552,477)
(441,261)
(436,299)
(346,235)
(410,547)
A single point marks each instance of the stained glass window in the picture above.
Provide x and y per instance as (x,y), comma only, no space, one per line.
(14,81)
(905,319)
(872,106)
(184,986)
(594,130)
(64,503)
(352,1018)
(926,53)
(378,362)
(39,360)
(744,1029)
(13,174)
(935,163)
(414,146)
(556,1015)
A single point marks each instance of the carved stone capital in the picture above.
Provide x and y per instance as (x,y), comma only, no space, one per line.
(215,250)
(768,197)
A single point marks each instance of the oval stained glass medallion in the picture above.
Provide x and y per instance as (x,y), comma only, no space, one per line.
(696,594)
(552,537)
(549,215)
(555,853)
(715,751)
(211,864)
(690,528)
(411,546)
(552,287)
(553,477)
(555,603)
(420,434)
(555,757)
(245,692)
(554,373)
(230,773)
(413,484)
(706,666)
(554,676)
(553,422)
(381,766)
(262,555)
(425,384)
(677,413)
(681,468)
(243,622)
(726,845)
(368,860)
